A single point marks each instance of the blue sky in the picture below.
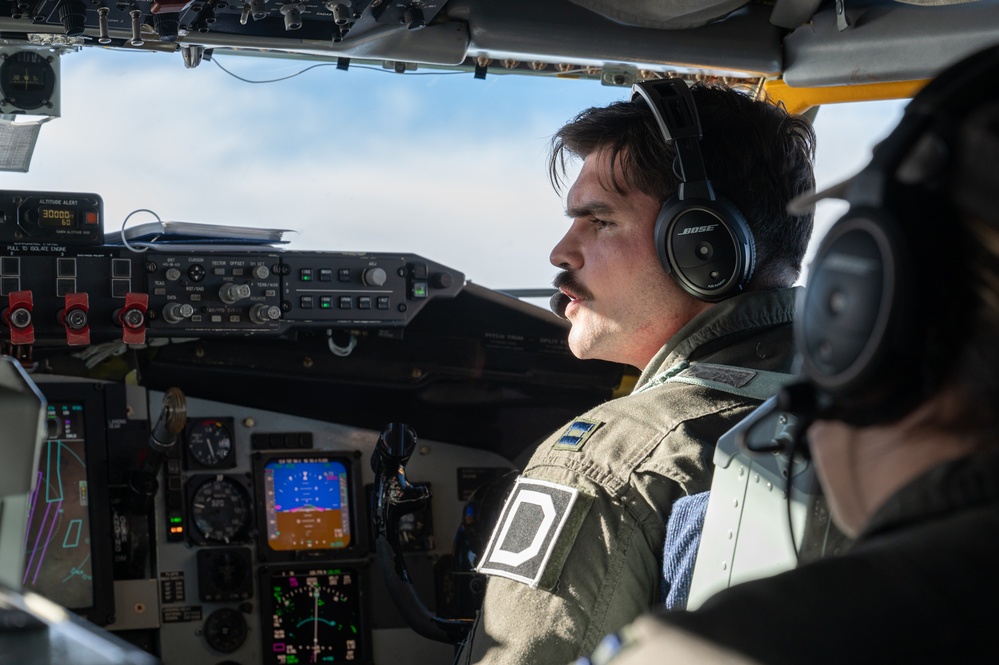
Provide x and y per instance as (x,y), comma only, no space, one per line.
(429,162)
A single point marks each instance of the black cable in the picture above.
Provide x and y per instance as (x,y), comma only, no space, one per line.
(283,78)
(797,443)
(787,502)
(331,64)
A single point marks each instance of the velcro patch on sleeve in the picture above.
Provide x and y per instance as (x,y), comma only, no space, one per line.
(576,434)
(535,532)
(737,377)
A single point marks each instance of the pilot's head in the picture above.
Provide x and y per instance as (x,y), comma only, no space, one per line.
(625,257)
(898,328)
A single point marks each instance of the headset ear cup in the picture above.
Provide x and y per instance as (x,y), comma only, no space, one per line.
(706,246)
(856,330)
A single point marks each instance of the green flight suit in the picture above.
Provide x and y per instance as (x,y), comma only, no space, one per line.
(577,553)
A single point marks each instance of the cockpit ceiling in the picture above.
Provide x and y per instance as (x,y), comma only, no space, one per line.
(807,42)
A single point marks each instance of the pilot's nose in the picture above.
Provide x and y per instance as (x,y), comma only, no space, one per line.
(566,254)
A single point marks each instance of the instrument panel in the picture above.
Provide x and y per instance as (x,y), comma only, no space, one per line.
(264,561)
(76,296)
(205,487)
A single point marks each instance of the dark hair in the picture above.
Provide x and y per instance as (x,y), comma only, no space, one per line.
(976,365)
(969,350)
(757,155)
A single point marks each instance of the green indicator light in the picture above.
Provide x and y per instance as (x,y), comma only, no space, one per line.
(326,305)
(420,290)
(176,520)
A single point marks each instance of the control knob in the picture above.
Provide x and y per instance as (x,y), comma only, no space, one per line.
(374,277)
(442,280)
(261,313)
(341,11)
(231,293)
(176,312)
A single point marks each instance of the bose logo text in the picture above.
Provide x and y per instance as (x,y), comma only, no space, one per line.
(697,229)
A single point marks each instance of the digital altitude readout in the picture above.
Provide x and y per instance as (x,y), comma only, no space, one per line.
(307,504)
(51,217)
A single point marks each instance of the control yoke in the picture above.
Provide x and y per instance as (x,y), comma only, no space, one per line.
(394,497)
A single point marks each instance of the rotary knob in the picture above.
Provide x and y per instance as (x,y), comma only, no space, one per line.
(374,277)
(231,293)
(176,312)
(264,313)
(442,280)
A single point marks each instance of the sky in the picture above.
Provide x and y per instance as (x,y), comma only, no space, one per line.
(428,162)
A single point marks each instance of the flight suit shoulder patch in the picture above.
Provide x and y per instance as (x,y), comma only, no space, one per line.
(736,377)
(535,532)
(576,434)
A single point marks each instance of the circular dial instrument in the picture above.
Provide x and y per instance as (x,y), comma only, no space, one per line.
(314,616)
(209,443)
(27,80)
(225,630)
(220,511)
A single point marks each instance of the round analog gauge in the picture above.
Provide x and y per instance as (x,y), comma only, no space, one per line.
(220,511)
(315,616)
(209,443)
(27,80)
(225,630)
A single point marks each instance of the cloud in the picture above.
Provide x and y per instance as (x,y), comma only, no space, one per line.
(444,166)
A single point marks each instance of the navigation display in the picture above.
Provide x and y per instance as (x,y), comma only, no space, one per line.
(312,615)
(57,550)
(307,503)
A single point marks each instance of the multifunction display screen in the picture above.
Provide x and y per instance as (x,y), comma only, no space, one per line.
(312,615)
(57,550)
(307,503)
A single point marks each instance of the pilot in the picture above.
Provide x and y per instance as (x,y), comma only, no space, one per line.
(898,337)
(679,260)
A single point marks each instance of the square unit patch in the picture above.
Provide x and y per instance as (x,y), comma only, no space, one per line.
(576,434)
(535,532)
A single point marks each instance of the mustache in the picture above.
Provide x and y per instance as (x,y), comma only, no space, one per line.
(559,300)
(567,280)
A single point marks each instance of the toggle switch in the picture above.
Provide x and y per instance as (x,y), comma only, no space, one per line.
(132,318)
(18,317)
(75,318)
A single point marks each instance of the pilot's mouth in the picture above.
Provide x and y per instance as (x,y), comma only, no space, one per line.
(563,303)
(570,294)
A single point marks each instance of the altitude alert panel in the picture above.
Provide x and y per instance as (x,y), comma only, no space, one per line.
(29,81)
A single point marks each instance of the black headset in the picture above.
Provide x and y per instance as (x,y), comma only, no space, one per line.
(702,240)
(890,282)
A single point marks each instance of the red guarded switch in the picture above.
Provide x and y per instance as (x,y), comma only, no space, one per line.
(75,318)
(18,317)
(132,318)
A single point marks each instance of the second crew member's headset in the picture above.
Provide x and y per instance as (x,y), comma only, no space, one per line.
(890,280)
(703,241)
